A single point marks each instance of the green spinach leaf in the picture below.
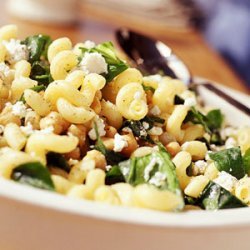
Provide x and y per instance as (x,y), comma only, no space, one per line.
(40,72)
(230,161)
(216,197)
(57,160)
(246,161)
(37,46)
(114,175)
(33,174)
(214,119)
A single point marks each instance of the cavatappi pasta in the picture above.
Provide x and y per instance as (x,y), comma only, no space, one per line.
(79,121)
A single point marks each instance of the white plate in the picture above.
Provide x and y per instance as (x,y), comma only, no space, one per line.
(35,219)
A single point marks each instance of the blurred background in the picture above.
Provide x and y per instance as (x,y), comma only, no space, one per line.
(224,24)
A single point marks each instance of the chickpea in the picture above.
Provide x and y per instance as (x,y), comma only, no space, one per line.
(108,142)
(110,131)
(132,145)
(98,157)
(173,148)
(80,132)
(74,154)
(55,120)
(7,116)
(96,105)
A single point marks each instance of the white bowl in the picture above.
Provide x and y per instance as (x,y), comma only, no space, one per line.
(35,219)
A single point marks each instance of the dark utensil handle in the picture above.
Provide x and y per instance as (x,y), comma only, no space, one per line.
(227,98)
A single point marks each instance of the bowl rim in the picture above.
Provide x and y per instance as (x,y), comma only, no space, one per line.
(139,216)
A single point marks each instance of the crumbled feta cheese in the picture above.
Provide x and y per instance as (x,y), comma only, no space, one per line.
(226,180)
(93,63)
(145,125)
(45,131)
(213,192)
(4,70)
(73,162)
(125,170)
(89,44)
(158,179)
(143,133)
(16,51)
(155,110)
(100,127)
(119,143)
(207,157)
(201,166)
(155,131)
(190,102)
(108,167)
(230,143)
(214,147)
(137,95)
(19,109)
(87,165)
(28,129)
(148,169)
(1,129)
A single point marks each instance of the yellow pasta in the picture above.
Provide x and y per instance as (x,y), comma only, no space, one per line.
(14,136)
(19,85)
(57,46)
(39,144)
(196,186)
(22,68)
(8,32)
(131,101)
(70,113)
(62,63)
(175,121)
(36,102)
(196,149)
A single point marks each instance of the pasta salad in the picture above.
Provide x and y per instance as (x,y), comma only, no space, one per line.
(78,121)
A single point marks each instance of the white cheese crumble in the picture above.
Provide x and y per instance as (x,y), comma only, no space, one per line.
(201,166)
(19,109)
(148,169)
(190,102)
(73,162)
(125,170)
(226,180)
(16,51)
(4,70)
(108,167)
(28,130)
(155,131)
(138,95)
(155,110)
(145,125)
(158,179)
(119,143)
(100,128)
(93,63)
(88,44)
(230,143)
(143,133)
